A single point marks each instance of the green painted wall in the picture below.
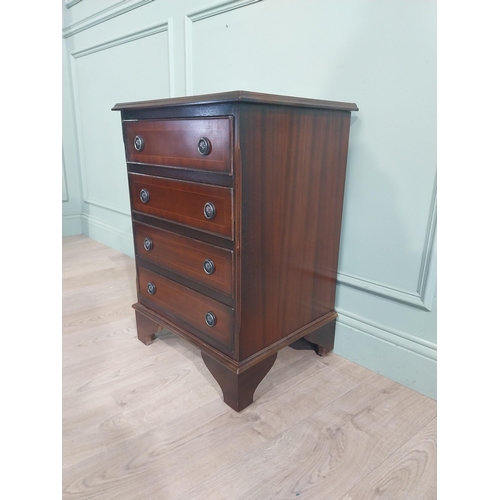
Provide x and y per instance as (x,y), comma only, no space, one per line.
(381,55)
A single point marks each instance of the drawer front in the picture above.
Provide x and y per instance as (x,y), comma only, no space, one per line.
(187,305)
(207,264)
(204,144)
(204,207)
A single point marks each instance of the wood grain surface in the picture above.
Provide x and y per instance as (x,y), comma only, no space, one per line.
(148,423)
(185,256)
(182,202)
(293,164)
(175,142)
(180,302)
(410,472)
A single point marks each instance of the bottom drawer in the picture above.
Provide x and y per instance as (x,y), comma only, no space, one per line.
(203,314)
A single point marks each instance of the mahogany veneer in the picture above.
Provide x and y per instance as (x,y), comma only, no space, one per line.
(237,206)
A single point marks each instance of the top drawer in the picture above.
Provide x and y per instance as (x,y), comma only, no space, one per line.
(204,144)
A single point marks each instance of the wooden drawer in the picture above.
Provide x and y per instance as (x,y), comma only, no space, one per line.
(175,143)
(184,202)
(186,305)
(207,264)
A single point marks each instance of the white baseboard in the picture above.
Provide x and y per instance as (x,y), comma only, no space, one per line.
(104,233)
(72,225)
(405,365)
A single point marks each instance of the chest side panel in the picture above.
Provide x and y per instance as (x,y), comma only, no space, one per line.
(292,185)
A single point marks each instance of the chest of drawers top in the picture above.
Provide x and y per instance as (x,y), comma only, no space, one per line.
(234,96)
(236,203)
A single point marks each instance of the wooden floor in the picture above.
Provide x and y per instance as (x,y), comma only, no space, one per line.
(149,423)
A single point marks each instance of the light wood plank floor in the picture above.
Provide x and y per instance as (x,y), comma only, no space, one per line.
(149,423)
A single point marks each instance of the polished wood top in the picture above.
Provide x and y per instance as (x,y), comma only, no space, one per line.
(239,96)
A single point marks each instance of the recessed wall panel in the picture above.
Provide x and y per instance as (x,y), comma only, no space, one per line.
(381,56)
(129,70)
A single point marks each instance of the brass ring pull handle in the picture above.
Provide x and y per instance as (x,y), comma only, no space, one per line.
(209,266)
(138,143)
(204,146)
(144,195)
(209,210)
(148,244)
(210,319)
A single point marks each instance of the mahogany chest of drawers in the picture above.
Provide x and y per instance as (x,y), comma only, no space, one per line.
(236,205)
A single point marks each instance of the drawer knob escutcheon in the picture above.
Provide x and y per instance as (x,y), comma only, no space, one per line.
(209,266)
(144,195)
(138,143)
(204,146)
(209,210)
(151,288)
(148,244)
(210,319)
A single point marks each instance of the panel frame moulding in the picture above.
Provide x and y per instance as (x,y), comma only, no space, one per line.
(199,15)
(114,42)
(426,282)
(101,16)
(70,3)
(65,197)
